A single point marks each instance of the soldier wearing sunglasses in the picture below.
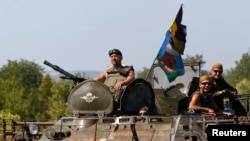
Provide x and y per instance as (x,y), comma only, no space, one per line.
(223,93)
(201,100)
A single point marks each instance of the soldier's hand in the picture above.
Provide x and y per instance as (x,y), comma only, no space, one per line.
(228,114)
(225,91)
(118,86)
(210,110)
(233,92)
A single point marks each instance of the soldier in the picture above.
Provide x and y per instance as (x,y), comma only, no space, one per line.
(221,90)
(117,76)
(201,101)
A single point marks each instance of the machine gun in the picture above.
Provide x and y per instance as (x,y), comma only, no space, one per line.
(67,74)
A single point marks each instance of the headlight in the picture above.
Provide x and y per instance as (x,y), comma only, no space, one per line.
(33,129)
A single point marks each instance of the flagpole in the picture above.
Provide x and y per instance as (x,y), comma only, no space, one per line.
(150,70)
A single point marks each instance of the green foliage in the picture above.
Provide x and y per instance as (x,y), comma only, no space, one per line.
(41,100)
(61,90)
(240,72)
(19,82)
(14,95)
(243,88)
(143,73)
(8,117)
(25,72)
(32,95)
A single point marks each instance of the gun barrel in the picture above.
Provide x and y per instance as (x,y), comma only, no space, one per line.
(57,68)
(67,74)
(47,63)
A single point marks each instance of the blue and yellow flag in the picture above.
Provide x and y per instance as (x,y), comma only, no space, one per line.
(169,55)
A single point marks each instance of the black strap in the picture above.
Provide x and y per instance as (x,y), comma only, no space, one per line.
(135,137)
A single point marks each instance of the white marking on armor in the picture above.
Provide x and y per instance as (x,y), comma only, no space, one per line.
(89,97)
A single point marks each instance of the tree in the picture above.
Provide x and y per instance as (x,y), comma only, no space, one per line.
(19,82)
(243,88)
(240,72)
(58,100)
(143,73)
(239,76)
(27,73)
(40,103)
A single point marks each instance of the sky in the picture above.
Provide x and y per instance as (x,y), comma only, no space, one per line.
(77,34)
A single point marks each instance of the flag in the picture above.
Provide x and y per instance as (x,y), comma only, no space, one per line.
(169,55)
(178,33)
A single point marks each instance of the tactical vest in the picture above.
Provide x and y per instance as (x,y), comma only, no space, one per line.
(115,75)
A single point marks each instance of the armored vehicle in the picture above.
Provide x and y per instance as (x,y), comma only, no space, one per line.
(164,104)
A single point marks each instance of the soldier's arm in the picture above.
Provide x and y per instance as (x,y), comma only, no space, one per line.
(193,105)
(101,77)
(130,77)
